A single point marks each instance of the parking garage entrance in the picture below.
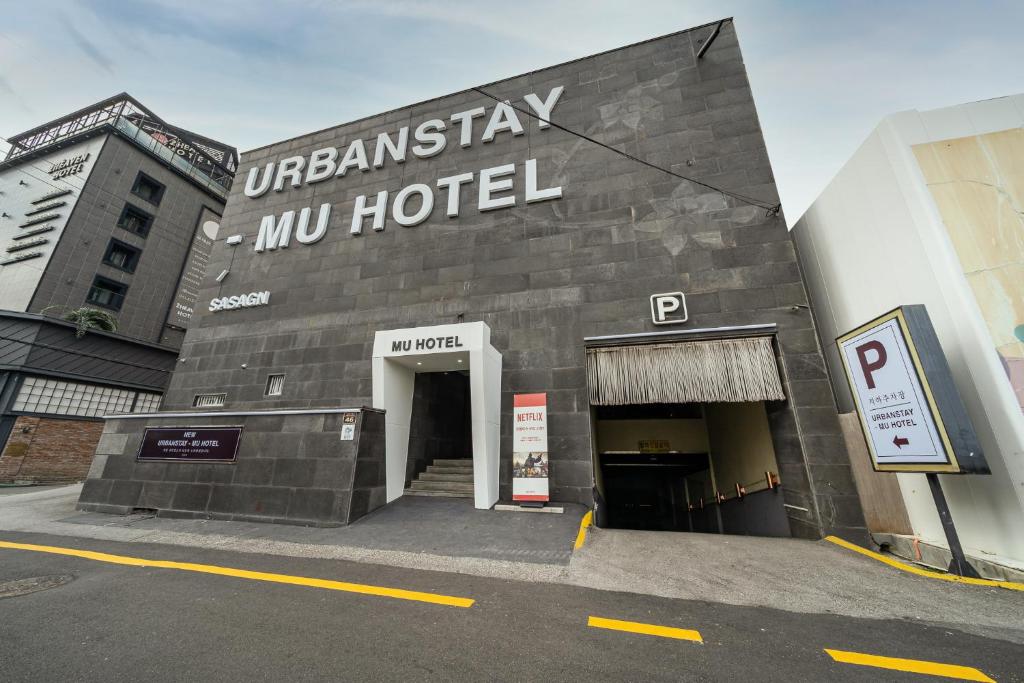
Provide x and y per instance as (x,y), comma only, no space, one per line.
(681,436)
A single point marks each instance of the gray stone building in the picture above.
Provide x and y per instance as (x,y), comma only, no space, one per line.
(109,208)
(436,261)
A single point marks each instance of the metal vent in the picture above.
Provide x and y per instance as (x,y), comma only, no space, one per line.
(209,400)
(275,385)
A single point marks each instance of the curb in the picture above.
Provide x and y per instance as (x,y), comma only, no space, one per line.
(903,566)
(581,536)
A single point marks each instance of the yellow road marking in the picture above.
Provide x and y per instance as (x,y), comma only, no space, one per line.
(916,666)
(645,629)
(380,591)
(581,536)
(1009,585)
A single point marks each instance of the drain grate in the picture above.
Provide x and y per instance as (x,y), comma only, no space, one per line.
(17,587)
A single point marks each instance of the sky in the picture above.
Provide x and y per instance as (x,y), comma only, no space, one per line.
(252,72)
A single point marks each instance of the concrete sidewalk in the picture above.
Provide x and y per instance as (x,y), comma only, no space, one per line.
(435,526)
(788,574)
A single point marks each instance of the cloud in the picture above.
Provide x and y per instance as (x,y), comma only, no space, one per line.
(251,72)
(86,46)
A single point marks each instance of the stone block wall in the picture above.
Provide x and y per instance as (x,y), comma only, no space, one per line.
(291,469)
(44,450)
(543,276)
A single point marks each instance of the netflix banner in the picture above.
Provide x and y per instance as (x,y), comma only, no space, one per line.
(530,447)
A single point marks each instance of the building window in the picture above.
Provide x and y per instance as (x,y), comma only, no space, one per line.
(56,397)
(122,256)
(208,400)
(147,403)
(134,219)
(275,384)
(107,293)
(148,189)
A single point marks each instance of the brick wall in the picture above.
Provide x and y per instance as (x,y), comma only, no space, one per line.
(44,450)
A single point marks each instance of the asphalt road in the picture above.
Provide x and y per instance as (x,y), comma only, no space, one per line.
(118,623)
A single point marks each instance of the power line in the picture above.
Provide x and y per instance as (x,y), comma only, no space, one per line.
(772,209)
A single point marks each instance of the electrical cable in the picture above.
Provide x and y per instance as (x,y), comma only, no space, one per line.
(771,209)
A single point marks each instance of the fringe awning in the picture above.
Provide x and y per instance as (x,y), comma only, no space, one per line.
(706,371)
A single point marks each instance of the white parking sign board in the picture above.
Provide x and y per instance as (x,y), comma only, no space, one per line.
(904,423)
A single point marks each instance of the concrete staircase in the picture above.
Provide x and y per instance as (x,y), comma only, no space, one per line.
(447,478)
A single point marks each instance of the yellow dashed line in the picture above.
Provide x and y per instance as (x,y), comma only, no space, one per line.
(917,666)
(364,589)
(645,629)
(581,536)
(1010,585)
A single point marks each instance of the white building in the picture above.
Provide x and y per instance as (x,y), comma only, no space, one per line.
(930,210)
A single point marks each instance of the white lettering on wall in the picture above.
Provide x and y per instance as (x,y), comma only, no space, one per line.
(454,183)
(532,193)
(290,168)
(429,132)
(227,303)
(504,118)
(396,150)
(488,186)
(361,211)
(273,236)
(322,164)
(543,109)
(465,121)
(254,187)
(302,233)
(496,188)
(426,205)
(355,157)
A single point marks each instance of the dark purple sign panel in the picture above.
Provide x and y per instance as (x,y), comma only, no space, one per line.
(211,444)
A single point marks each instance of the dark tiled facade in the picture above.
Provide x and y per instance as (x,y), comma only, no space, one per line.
(305,474)
(542,276)
(77,259)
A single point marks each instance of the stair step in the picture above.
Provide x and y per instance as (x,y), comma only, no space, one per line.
(466,463)
(421,485)
(439,494)
(446,476)
(434,469)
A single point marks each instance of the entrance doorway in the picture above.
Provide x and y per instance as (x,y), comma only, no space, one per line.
(681,435)
(399,357)
(440,461)
(688,467)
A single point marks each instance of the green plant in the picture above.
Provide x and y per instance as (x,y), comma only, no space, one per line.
(86,319)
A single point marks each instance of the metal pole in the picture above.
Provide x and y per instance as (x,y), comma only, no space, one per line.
(959,564)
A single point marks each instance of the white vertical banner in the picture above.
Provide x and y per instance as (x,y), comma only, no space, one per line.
(530,447)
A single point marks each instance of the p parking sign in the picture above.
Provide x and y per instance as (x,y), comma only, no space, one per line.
(668,308)
(909,408)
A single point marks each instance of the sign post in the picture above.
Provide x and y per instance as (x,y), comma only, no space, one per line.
(530,449)
(910,411)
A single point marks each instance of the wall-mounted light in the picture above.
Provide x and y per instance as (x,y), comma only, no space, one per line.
(234,239)
(22,182)
(245,366)
(223,274)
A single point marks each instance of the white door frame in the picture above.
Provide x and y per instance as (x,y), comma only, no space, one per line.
(399,354)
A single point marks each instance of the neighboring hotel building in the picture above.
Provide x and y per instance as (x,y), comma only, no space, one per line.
(110,208)
(930,210)
(434,261)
